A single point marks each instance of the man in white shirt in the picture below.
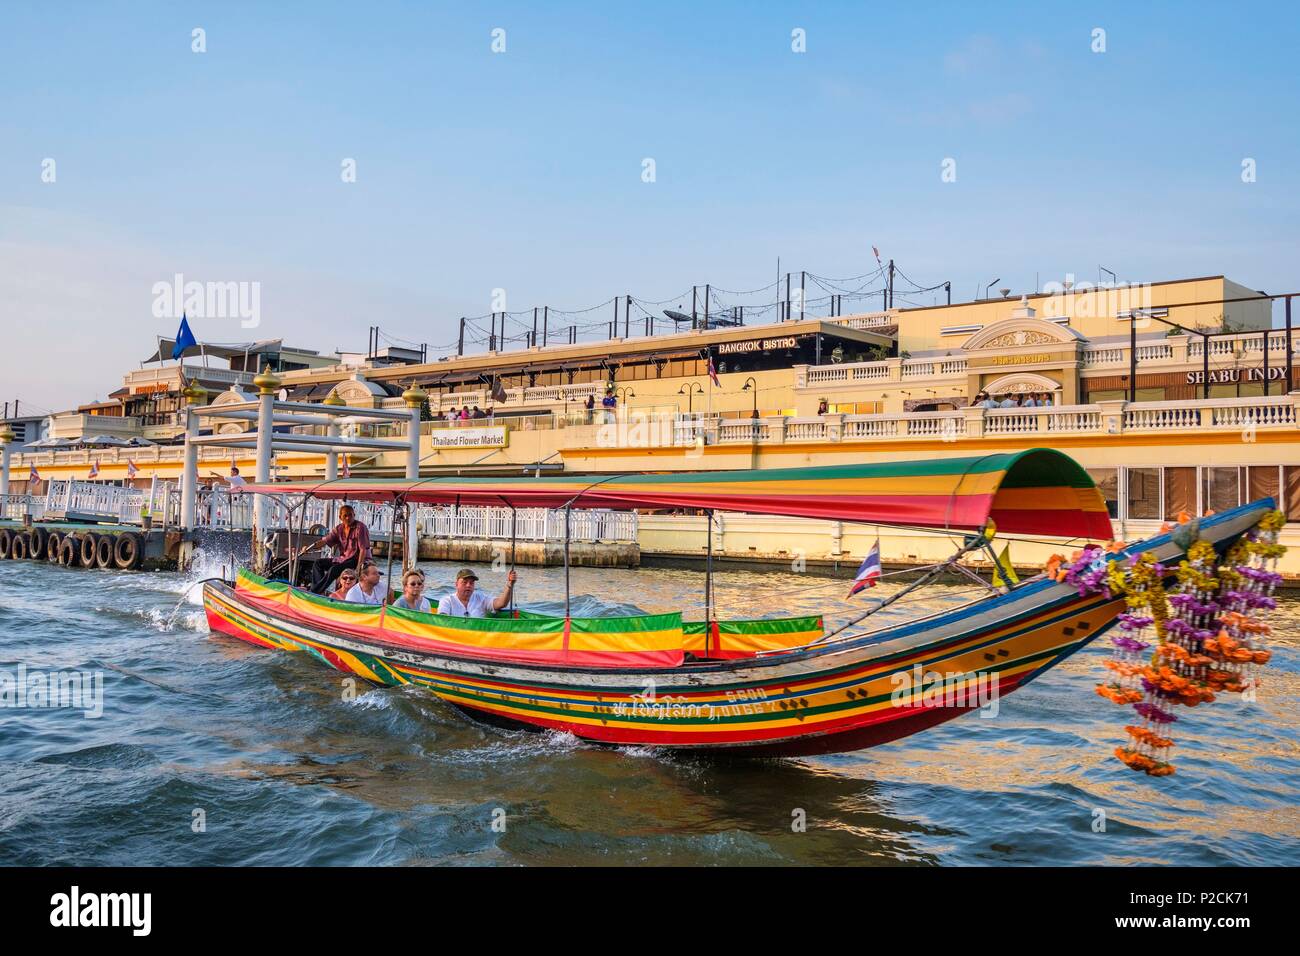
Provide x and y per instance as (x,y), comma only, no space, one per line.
(367,589)
(236,480)
(465,601)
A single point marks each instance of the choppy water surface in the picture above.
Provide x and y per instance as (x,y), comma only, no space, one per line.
(285,771)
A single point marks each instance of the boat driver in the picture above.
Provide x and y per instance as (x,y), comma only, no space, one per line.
(465,601)
(351,539)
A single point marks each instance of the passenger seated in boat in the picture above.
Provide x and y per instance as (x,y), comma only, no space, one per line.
(367,589)
(413,598)
(346,580)
(352,540)
(465,601)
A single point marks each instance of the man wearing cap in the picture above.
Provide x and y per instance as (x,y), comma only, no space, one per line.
(465,601)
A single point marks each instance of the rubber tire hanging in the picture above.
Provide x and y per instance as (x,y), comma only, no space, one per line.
(86,550)
(128,549)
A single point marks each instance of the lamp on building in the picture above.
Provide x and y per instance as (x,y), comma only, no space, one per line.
(690,390)
(752,386)
(989,287)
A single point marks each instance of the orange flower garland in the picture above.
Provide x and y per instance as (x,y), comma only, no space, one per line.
(1206,635)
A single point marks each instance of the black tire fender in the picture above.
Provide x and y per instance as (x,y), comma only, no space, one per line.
(128,550)
(86,550)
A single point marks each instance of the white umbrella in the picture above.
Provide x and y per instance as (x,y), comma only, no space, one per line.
(106,440)
(50,443)
(138,442)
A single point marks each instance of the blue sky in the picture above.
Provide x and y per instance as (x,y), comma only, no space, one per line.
(522,170)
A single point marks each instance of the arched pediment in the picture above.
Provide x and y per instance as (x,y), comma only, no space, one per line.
(1021,333)
(1017,383)
(232,396)
(359,393)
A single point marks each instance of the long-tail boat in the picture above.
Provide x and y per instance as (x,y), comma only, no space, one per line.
(772,687)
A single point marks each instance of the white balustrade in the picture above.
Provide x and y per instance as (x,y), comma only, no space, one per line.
(947,425)
(1262,413)
(1080,418)
(804,430)
(1010,421)
(871,426)
(1104,356)
(744,430)
(1154,353)
(1162,416)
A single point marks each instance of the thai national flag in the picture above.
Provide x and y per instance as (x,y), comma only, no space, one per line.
(33,475)
(130,468)
(94,469)
(869,573)
(347,472)
(713,373)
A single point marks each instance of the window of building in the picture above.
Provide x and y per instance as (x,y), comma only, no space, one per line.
(1143,492)
(1290,497)
(1221,488)
(1264,482)
(1180,492)
(1107,481)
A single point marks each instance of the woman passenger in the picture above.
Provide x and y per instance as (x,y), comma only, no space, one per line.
(346,580)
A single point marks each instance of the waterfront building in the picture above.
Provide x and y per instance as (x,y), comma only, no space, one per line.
(1208,420)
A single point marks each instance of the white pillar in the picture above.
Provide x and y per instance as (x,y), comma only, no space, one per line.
(332,459)
(189,472)
(334,431)
(6,449)
(415,399)
(268,385)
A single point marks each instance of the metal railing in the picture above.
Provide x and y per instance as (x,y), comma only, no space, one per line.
(103,501)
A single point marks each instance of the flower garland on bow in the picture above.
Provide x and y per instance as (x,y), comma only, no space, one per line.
(1206,635)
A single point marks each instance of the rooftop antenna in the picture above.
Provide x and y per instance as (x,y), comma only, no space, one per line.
(1005,292)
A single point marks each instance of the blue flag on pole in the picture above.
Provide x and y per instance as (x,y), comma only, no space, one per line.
(184,338)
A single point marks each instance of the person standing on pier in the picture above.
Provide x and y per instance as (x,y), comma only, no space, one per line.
(351,539)
(236,480)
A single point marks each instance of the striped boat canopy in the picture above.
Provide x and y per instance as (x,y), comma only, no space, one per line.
(1038,491)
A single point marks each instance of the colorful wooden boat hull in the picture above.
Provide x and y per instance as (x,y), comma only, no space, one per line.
(838,696)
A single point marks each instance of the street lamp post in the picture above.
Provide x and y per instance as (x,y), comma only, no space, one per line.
(690,390)
(752,386)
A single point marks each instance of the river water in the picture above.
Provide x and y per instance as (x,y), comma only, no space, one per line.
(210,751)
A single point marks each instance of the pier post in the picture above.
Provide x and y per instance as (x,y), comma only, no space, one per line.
(6,449)
(268,384)
(195,395)
(415,398)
